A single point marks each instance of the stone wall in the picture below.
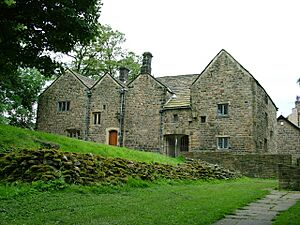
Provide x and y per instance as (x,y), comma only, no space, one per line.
(225,81)
(264,120)
(251,165)
(105,100)
(66,88)
(288,138)
(289,177)
(143,120)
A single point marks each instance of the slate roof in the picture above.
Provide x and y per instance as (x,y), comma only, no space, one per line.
(180,85)
(85,80)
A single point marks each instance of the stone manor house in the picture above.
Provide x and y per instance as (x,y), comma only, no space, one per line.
(224,108)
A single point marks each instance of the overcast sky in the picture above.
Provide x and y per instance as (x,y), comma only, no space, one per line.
(184,36)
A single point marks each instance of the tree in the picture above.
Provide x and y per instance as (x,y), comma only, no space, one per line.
(30,31)
(104,54)
(30,28)
(17,103)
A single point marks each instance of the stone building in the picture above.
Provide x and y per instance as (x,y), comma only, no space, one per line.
(224,108)
(288,138)
(294,117)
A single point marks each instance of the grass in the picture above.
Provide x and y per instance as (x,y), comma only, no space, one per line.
(138,202)
(289,217)
(17,138)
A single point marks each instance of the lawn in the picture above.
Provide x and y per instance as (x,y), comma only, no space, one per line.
(196,202)
(289,217)
(17,138)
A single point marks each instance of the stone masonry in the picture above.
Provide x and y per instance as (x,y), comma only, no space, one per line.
(288,140)
(222,109)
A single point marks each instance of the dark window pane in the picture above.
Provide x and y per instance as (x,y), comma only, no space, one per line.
(95,118)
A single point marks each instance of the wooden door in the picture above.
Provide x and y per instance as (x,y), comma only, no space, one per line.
(113,137)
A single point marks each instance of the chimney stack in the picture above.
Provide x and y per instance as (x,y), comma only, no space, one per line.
(123,74)
(146,66)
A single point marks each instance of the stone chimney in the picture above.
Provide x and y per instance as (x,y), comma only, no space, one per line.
(146,66)
(123,74)
(297,109)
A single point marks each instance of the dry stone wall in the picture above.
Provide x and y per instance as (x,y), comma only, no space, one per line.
(289,177)
(251,165)
(76,168)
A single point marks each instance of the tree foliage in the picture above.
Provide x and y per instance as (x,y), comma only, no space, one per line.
(29,31)
(17,103)
(29,28)
(104,54)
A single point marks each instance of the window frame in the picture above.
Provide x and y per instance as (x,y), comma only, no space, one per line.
(223,142)
(63,106)
(175,118)
(96,118)
(223,109)
(73,133)
(203,119)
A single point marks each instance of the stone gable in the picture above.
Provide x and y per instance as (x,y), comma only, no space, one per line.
(143,121)
(67,89)
(104,109)
(223,82)
(288,138)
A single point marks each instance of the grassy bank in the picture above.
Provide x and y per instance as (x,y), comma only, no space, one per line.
(16,138)
(289,217)
(195,202)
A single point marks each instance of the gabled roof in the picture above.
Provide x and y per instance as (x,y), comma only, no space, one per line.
(180,85)
(222,52)
(88,82)
(281,117)
(158,81)
(107,74)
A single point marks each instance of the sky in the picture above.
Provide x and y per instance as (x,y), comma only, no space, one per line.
(184,36)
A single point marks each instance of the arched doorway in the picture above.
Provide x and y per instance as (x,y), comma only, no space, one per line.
(113,137)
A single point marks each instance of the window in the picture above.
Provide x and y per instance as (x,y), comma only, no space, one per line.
(175,118)
(97,117)
(265,145)
(184,144)
(223,142)
(73,133)
(104,107)
(266,118)
(63,106)
(223,109)
(203,119)
(266,99)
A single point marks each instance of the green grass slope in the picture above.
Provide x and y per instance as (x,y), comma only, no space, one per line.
(12,138)
(193,203)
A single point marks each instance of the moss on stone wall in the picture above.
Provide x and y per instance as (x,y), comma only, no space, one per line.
(51,164)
